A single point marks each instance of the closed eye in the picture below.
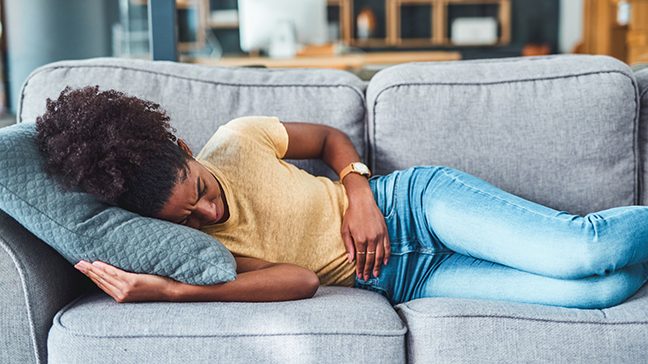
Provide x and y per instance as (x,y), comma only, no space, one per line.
(201,193)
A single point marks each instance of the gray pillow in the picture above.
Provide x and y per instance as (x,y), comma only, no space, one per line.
(78,226)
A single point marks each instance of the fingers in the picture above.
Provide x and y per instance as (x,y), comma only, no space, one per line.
(361,257)
(369,262)
(111,272)
(371,255)
(348,243)
(98,275)
(387,247)
(378,259)
(108,282)
(366,254)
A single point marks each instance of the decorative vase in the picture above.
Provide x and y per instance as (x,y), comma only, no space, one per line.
(366,24)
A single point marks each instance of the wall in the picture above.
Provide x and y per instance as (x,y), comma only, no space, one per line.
(43,31)
(571,24)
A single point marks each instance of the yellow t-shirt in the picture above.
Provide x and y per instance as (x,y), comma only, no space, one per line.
(278,212)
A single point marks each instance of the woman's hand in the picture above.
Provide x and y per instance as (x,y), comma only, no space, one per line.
(363,226)
(364,231)
(125,286)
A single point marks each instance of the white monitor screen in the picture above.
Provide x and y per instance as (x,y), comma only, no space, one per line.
(259,18)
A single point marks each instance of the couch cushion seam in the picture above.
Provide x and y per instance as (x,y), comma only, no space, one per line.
(641,162)
(419,313)
(398,334)
(643,93)
(486,61)
(635,141)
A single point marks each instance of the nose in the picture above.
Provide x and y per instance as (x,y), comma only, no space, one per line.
(206,210)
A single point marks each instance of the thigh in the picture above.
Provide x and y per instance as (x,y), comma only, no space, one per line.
(461,276)
(474,218)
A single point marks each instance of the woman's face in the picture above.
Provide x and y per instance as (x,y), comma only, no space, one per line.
(197,201)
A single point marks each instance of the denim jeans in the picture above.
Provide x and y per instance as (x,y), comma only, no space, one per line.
(455,235)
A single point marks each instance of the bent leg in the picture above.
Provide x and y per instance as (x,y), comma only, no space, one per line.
(460,276)
(475,218)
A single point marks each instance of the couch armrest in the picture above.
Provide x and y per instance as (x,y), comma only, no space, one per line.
(35,282)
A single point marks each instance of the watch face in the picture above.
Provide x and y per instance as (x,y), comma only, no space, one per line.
(360,167)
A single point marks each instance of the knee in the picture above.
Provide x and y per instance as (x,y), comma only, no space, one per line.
(603,251)
(587,261)
(600,292)
(590,255)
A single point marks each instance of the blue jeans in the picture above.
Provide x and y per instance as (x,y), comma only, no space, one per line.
(455,235)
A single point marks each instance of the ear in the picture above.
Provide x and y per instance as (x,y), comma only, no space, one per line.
(185,147)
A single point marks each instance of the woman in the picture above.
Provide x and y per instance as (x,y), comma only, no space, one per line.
(420,232)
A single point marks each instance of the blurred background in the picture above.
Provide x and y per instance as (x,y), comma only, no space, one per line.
(361,36)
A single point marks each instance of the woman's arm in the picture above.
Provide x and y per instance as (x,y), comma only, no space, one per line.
(363,226)
(257,281)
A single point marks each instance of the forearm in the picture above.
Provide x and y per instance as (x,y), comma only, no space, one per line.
(337,153)
(279,282)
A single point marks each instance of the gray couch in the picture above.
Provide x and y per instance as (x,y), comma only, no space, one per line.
(566,131)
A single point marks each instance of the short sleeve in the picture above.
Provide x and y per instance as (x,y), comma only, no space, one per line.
(266,130)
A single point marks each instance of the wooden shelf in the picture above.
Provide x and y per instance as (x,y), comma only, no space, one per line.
(392,24)
(352,61)
(439,21)
(602,34)
(180,4)
(637,37)
(219,25)
(472,2)
(372,42)
(201,7)
(345,8)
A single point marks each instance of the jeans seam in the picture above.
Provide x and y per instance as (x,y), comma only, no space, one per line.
(608,217)
(477,189)
(394,198)
(595,222)
(429,251)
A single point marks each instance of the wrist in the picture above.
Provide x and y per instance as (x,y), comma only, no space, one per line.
(171,291)
(357,186)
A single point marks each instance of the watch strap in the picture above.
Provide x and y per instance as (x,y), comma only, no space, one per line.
(350,169)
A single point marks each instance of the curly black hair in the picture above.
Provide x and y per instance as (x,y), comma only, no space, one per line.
(116,147)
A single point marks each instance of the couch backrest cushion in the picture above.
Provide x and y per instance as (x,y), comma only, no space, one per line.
(199,99)
(642,80)
(558,130)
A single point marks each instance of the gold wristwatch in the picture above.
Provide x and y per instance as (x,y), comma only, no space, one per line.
(355,167)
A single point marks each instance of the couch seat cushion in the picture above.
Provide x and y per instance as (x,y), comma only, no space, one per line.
(338,325)
(479,331)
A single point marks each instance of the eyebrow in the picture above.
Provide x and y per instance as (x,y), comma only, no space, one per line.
(197,199)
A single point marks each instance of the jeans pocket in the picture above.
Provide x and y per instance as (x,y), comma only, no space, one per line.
(384,190)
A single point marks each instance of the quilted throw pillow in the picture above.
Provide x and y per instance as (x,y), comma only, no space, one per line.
(78,226)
